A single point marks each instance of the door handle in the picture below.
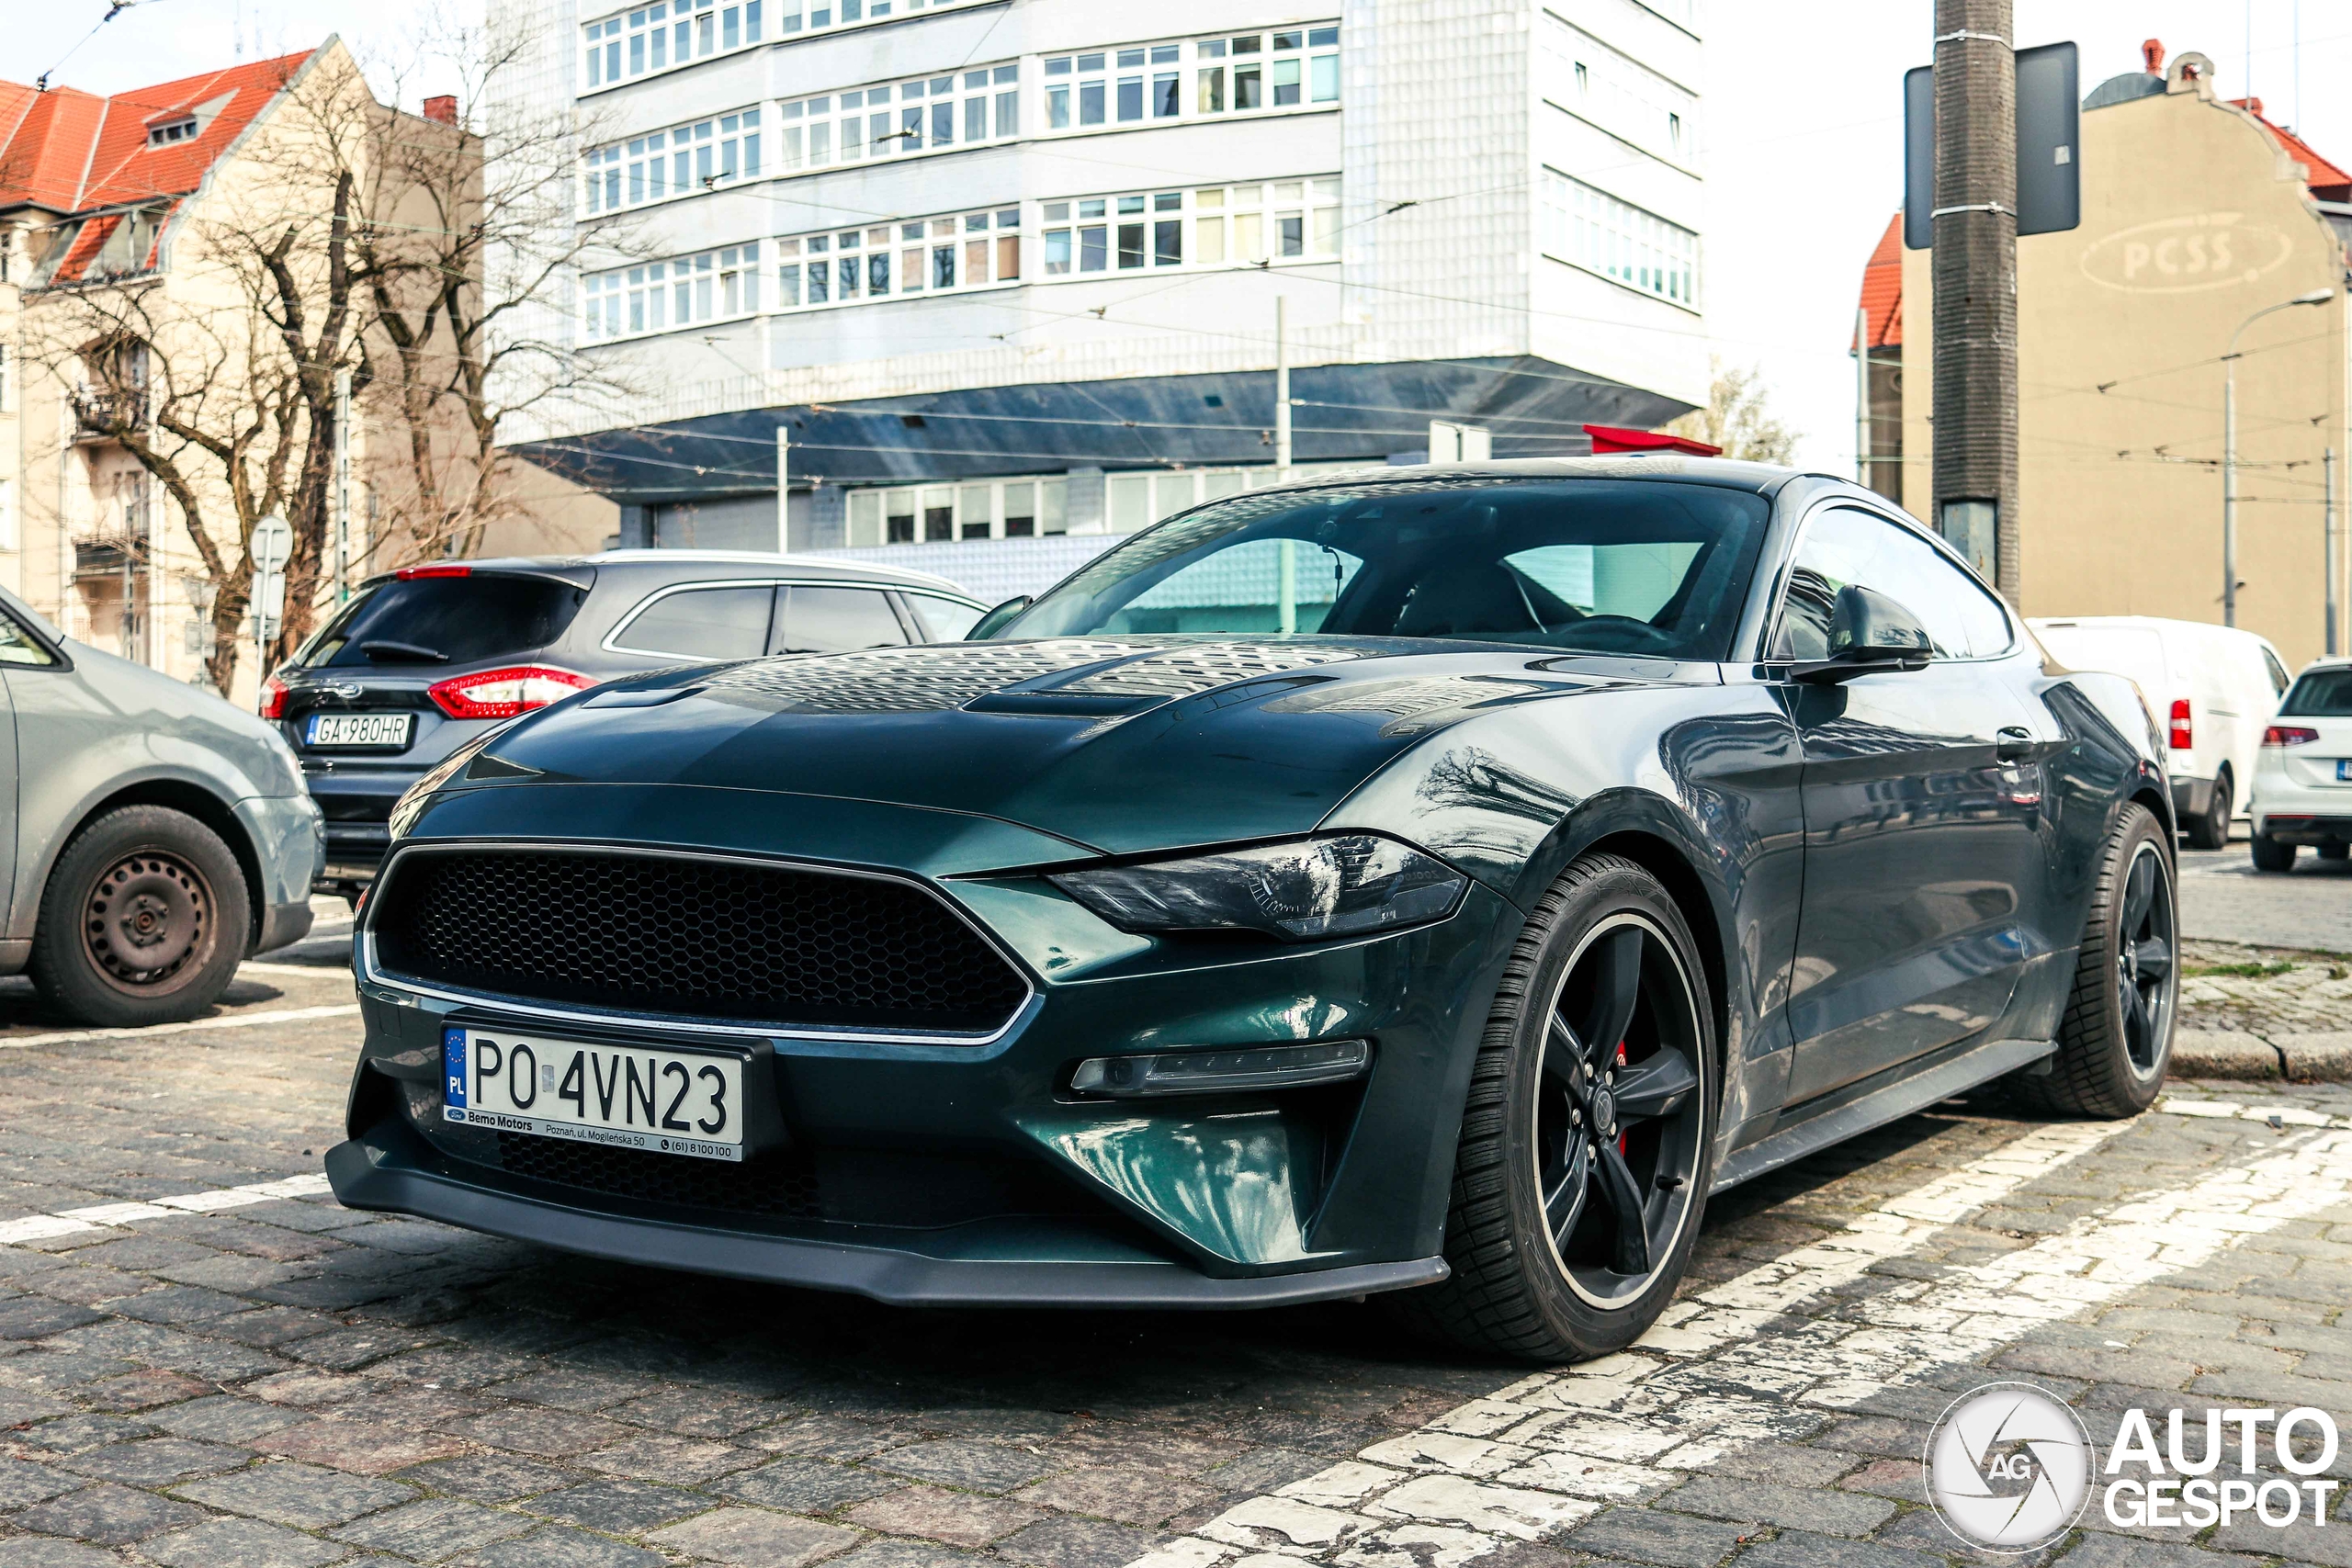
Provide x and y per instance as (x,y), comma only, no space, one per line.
(2013,743)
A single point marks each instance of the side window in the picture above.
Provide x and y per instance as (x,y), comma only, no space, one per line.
(1845,547)
(703,623)
(943,620)
(835,620)
(18,646)
(2278,673)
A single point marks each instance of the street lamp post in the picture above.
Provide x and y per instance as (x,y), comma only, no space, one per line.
(2230,448)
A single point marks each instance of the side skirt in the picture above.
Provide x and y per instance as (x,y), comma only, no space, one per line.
(1914,1091)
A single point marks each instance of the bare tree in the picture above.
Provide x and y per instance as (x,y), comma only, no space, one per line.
(469,269)
(216,372)
(1738,417)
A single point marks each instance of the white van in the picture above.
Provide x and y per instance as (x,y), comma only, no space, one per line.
(2213,688)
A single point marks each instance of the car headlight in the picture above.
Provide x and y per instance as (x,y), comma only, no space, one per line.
(411,805)
(1341,885)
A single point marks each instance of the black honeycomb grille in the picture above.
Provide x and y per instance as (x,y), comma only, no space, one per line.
(691,938)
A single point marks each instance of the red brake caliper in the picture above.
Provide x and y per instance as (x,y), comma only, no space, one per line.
(1620,1062)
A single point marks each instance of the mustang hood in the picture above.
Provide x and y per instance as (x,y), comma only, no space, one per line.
(1230,738)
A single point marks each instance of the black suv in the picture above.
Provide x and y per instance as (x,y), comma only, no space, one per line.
(422,659)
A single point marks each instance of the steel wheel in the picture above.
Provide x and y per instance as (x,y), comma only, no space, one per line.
(148,921)
(1618,1118)
(2144,960)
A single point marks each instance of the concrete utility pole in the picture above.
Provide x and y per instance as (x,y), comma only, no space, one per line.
(1286,559)
(783,487)
(2327,532)
(342,486)
(1975,269)
(1862,397)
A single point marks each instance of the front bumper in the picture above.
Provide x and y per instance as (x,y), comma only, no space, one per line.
(393,1171)
(289,845)
(968,1173)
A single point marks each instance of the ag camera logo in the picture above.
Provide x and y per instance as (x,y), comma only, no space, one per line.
(2008,1466)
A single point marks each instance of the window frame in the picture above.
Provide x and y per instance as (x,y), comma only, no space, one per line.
(612,643)
(1943,551)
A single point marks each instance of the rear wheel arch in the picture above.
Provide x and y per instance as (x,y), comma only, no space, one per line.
(191,800)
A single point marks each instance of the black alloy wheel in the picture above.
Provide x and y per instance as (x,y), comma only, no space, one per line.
(1581,1173)
(2115,1040)
(1617,1118)
(144,919)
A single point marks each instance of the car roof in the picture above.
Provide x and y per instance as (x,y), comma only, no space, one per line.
(2143,623)
(1762,478)
(680,563)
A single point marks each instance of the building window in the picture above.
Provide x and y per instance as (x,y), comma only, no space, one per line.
(1293,69)
(1593,230)
(172,131)
(1022,508)
(677,161)
(661,295)
(973,249)
(932,114)
(1615,92)
(1278,222)
(669,32)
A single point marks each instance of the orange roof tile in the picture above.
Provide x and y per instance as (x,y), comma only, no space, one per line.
(72,151)
(2328,181)
(1883,287)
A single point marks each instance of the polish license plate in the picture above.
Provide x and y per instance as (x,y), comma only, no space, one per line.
(359,728)
(629,1097)
(2344,770)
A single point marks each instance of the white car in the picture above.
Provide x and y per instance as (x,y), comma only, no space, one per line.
(2302,786)
(2214,688)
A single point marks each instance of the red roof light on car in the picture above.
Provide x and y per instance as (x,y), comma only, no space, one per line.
(2183,738)
(410,573)
(503,693)
(2289,735)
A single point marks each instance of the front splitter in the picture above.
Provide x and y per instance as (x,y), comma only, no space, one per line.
(371,1176)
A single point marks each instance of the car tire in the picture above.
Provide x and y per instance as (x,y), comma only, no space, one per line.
(145,920)
(2212,831)
(1543,1266)
(2269,854)
(2113,1047)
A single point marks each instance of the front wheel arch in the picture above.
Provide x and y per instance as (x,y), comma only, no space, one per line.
(190,799)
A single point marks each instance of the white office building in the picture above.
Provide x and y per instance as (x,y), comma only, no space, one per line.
(1004,269)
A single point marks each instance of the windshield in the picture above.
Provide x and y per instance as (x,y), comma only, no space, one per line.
(2320,694)
(445,620)
(1597,566)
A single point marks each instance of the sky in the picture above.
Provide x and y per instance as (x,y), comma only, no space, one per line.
(1805,139)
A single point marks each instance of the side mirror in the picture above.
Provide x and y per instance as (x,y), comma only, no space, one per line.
(995,620)
(1869,634)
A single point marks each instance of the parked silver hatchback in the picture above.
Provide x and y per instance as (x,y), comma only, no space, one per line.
(157,835)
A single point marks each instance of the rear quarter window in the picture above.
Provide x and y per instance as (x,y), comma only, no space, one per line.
(463,620)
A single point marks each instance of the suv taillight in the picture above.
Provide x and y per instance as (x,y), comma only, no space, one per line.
(2183,738)
(273,698)
(2289,735)
(503,693)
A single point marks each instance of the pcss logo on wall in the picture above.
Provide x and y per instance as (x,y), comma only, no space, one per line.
(2008,1466)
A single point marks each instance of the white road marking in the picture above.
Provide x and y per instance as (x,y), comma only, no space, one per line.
(1738,1363)
(97,1216)
(232,1020)
(2288,1115)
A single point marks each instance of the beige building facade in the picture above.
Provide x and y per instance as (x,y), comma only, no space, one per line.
(2197,213)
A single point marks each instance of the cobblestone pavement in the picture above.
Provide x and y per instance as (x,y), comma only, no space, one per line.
(197,1370)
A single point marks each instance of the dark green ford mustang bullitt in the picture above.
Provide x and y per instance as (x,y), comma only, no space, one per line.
(1434,881)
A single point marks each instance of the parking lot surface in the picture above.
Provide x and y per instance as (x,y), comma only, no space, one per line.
(205,1361)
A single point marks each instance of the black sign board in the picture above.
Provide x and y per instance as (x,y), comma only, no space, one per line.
(2050,185)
